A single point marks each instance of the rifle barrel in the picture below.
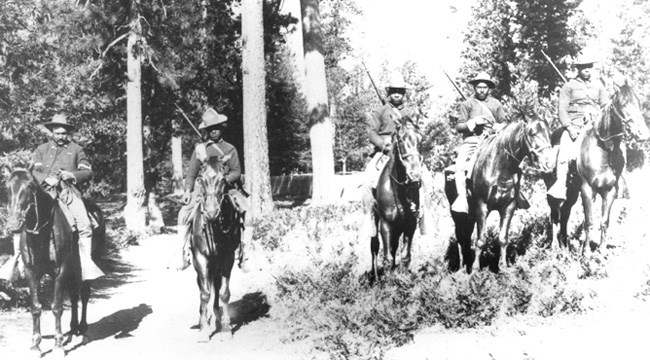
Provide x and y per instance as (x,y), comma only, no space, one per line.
(383,102)
(188,121)
(453,83)
(548,58)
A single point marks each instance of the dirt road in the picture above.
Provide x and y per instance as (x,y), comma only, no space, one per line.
(141,310)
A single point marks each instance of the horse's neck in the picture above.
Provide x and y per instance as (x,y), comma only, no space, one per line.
(509,148)
(398,171)
(609,126)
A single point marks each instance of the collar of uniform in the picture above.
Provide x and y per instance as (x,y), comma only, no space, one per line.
(55,146)
(400,107)
(213,142)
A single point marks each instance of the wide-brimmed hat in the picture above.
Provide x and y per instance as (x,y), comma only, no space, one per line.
(396,81)
(212,118)
(59,120)
(585,59)
(483,77)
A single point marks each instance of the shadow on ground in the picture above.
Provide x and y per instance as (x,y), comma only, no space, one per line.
(249,308)
(120,324)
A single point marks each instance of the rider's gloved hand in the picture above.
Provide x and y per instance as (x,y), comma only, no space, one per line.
(51,181)
(185,199)
(66,175)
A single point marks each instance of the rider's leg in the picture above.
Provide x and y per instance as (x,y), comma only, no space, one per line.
(89,269)
(371,176)
(183,230)
(558,190)
(460,204)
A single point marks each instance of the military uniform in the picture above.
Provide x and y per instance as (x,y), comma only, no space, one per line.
(490,112)
(49,161)
(579,104)
(227,155)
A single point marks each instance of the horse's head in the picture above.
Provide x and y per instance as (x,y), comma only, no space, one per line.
(405,151)
(22,189)
(538,141)
(213,185)
(627,107)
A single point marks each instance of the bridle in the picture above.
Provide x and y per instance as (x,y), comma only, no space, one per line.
(535,152)
(403,157)
(23,217)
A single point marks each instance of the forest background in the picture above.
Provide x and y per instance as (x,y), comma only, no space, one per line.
(72,57)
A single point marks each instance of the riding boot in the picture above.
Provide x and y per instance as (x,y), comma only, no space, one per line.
(460,204)
(558,190)
(14,267)
(367,229)
(183,261)
(89,270)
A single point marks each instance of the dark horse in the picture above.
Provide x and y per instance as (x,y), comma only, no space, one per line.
(599,166)
(398,198)
(494,185)
(216,233)
(48,245)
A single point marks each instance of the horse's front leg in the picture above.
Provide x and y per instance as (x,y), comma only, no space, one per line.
(408,241)
(505,219)
(481,216)
(85,296)
(57,311)
(222,287)
(205,290)
(386,238)
(374,249)
(608,198)
(36,308)
(586,193)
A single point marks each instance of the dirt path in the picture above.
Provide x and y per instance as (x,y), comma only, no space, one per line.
(141,310)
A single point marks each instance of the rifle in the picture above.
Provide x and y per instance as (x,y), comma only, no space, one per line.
(554,67)
(383,102)
(188,121)
(453,83)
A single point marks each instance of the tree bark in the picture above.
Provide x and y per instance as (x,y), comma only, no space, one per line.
(295,43)
(177,164)
(321,131)
(256,149)
(135,209)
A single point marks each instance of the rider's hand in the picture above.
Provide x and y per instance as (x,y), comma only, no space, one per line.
(51,181)
(66,175)
(185,199)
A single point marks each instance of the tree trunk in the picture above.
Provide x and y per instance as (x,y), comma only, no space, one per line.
(177,164)
(135,210)
(294,41)
(321,131)
(256,149)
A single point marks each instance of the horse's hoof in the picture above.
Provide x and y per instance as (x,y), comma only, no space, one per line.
(203,336)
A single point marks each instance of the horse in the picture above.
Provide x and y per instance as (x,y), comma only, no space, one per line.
(598,168)
(216,233)
(397,198)
(494,184)
(49,245)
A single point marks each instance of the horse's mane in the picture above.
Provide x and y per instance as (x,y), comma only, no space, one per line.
(625,95)
(502,142)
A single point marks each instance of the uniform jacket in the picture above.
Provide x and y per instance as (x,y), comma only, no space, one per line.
(472,108)
(382,122)
(49,158)
(578,98)
(219,149)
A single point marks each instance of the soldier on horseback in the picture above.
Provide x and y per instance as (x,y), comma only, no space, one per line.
(383,123)
(581,99)
(61,165)
(479,116)
(213,124)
